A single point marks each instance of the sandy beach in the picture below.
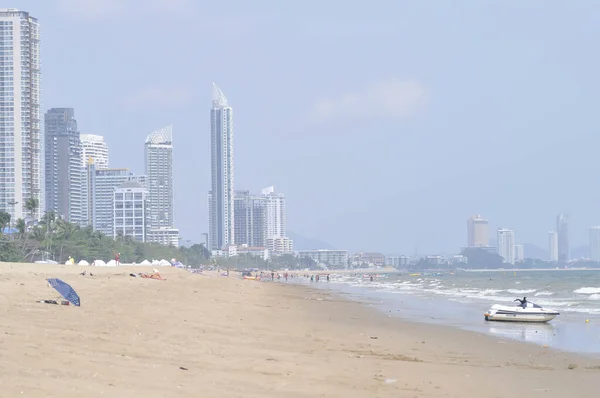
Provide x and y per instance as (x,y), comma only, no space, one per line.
(204,335)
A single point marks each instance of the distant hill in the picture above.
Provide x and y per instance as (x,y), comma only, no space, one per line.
(580,252)
(532,251)
(304,243)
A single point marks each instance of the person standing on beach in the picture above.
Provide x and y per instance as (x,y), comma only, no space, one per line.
(327,277)
(272,275)
(118,258)
(312,278)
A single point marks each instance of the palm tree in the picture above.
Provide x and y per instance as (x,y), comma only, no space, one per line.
(21,227)
(31,205)
(4,221)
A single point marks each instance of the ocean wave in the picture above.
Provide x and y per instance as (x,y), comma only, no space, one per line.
(544,293)
(595,297)
(587,290)
(523,291)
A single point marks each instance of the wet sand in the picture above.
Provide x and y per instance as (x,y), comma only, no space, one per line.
(205,335)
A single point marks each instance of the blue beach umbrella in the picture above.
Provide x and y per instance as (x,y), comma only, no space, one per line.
(65,290)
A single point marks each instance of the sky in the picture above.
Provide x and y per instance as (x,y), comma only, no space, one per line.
(386,126)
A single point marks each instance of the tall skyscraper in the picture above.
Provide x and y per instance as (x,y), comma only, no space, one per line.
(478,232)
(159,172)
(595,244)
(553,246)
(94,147)
(274,213)
(519,253)
(562,229)
(63,171)
(221,197)
(506,245)
(20,134)
(249,220)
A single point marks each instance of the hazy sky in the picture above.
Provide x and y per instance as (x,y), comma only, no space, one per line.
(386,125)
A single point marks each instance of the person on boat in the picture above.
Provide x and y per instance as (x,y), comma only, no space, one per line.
(523,302)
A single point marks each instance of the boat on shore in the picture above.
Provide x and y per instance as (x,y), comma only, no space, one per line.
(527,312)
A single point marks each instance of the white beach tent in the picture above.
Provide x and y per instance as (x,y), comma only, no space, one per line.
(111,263)
(83,262)
(164,263)
(145,262)
(99,263)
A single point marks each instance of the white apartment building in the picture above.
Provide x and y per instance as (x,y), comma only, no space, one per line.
(478,232)
(595,244)
(519,253)
(21,175)
(221,197)
(280,245)
(274,213)
(553,246)
(331,258)
(506,245)
(163,236)
(159,174)
(93,147)
(102,186)
(129,204)
(249,219)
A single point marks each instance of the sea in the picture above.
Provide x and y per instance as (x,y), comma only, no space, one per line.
(461,298)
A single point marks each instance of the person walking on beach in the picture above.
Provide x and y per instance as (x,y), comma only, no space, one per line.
(272,275)
(118,258)
(327,277)
(312,278)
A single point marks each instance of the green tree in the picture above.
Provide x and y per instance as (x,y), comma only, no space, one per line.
(4,221)
(31,205)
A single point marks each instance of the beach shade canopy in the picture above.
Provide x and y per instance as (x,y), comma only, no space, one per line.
(65,290)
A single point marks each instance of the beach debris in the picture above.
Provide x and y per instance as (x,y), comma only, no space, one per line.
(65,290)
(572,366)
(390,381)
(48,302)
(374,337)
(182,368)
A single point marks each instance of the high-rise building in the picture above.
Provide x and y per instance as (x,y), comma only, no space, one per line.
(159,172)
(221,197)
(274,213)
(519,253)
(20,127)
(129,204)
(249,219)
(94,147)
(562,229)
(595,244)
(506,245)
(553,246)
(63,171)
(104,183)
(478,232)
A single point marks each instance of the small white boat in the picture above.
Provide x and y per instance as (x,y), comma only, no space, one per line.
(524,312)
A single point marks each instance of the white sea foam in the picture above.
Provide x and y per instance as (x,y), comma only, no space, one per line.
(595,297)
(544,293)
(517,291)
(587,290)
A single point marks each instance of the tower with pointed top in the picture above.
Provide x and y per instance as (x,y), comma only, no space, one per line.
(221,195)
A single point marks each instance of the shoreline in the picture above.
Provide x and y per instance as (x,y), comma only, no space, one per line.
(227,337)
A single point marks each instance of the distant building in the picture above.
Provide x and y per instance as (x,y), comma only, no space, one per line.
(506,245)
(159,175)
(102,186)
(478,232)
(331,258)
(94,147)
(595,244)
(280,245)
(220,198)
(397,261)
(163,236)
(376,259)
(519,253)
(274,213)
(260,252)
(553,246)
(63,171)
(562,229)
(21,163)
(249,219)
(129,204)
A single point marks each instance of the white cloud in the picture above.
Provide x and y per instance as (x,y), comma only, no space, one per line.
(158,97)
(100,10)
(391,98)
